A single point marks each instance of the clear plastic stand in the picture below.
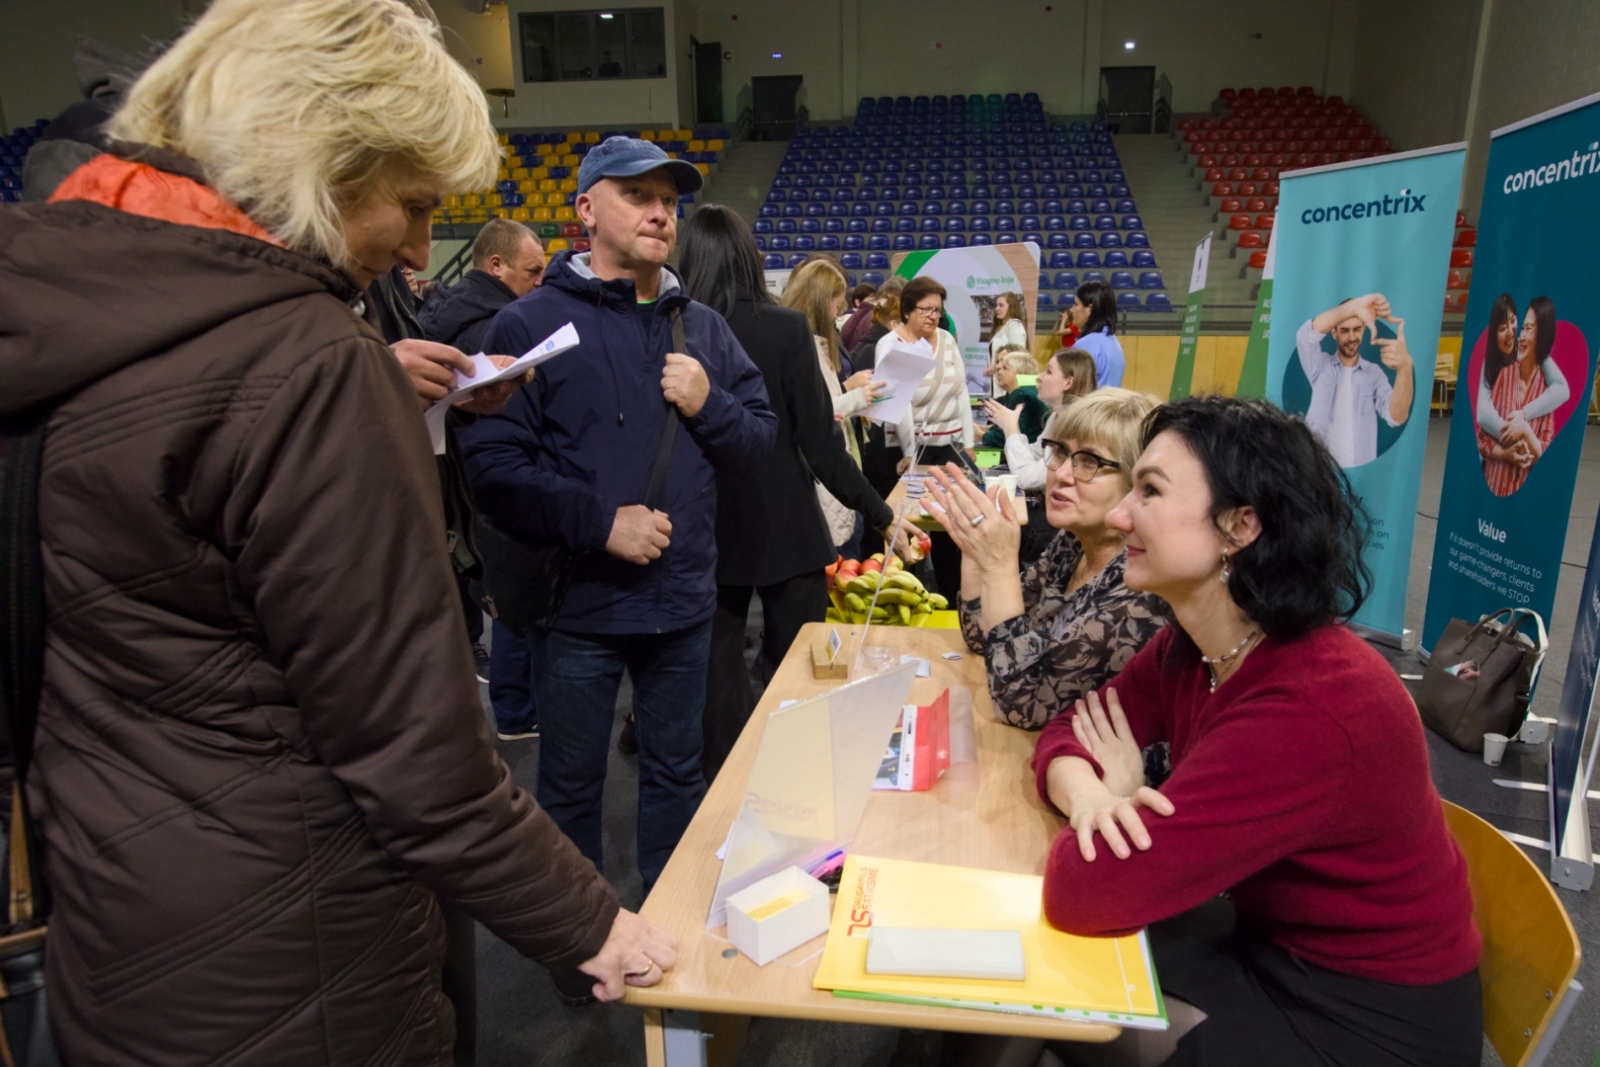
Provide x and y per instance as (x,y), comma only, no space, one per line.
(810,781)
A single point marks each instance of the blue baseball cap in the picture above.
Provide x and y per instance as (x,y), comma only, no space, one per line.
(627,157)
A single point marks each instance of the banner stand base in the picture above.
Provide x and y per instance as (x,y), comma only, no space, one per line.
(1405,641)
(1567,870)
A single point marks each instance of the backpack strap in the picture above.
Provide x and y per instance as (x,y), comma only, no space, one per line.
(658,473)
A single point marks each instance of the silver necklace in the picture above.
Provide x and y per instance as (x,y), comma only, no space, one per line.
(1213,662)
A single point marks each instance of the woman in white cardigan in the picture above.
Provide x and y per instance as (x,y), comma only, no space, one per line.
(1010,326)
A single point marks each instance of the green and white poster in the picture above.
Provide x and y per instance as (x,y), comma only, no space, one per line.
(1253,375)
(1183,372)
(975,278)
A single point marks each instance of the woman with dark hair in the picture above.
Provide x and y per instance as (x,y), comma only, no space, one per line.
(1300,784)
(1519,392)
(772,539)
(1094,313)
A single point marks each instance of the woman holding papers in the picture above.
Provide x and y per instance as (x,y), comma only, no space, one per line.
(1300,784)
(1068,622)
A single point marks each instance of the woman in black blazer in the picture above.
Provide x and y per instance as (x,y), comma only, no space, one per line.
(771,537)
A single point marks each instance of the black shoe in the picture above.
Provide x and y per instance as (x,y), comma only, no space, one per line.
(480,659)
(628,740)
(518,733)
(573,986)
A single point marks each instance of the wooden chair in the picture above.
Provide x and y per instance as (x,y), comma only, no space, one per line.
(1444,381)
(1530,950)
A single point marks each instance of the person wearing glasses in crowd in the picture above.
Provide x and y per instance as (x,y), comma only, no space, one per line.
(939,420)
(1066,624)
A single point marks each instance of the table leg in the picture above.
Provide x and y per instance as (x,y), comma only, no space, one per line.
(655,1045)
(726,1036)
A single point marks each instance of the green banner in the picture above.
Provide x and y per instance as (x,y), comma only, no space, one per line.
(1183,370)
(1253,375)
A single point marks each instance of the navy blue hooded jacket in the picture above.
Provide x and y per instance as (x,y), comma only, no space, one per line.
(578,443)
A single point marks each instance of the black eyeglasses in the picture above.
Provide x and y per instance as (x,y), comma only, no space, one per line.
(1086,465)
(935,310)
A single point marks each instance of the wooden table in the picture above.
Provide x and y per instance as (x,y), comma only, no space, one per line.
(1002,826)
(914,513)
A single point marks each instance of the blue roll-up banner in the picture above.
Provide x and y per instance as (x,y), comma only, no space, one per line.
(1571,861)
(1363,251)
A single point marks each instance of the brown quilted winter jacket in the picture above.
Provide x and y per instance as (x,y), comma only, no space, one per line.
(261,757)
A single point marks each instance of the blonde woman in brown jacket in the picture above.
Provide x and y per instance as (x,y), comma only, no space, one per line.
(261,761)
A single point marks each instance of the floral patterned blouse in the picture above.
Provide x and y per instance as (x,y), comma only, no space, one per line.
(1063,645)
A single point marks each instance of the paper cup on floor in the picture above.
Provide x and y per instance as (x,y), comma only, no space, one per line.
(1494,748)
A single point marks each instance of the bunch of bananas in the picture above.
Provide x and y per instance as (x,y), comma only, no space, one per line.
(900,597)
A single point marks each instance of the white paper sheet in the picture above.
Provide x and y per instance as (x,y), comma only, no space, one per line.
(488,374)
(902,369)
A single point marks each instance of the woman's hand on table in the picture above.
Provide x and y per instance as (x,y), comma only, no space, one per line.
(984,531)
(1104,731)
(903,466)
(636,953)
(1008,419)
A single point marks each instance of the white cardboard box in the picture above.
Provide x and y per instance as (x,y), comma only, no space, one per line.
(778,913)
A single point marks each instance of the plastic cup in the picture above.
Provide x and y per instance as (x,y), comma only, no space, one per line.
(1494,748)
(1019,506)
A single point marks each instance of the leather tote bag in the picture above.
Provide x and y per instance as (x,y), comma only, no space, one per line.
(1481,675)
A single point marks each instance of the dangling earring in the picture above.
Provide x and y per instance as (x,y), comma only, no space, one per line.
(1227,572)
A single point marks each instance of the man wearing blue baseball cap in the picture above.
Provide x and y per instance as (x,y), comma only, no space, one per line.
(569,462)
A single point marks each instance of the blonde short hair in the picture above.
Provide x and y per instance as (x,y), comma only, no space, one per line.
(1110,419)
(1018,360)
(292,107)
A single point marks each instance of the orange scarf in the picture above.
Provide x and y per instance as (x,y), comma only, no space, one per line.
(140,189)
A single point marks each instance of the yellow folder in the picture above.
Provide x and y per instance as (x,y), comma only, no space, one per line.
(1101,979)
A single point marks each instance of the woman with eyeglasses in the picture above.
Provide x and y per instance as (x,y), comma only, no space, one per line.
(1061,628)
(939,421)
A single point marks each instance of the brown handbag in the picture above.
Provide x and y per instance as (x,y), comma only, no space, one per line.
(1480,677)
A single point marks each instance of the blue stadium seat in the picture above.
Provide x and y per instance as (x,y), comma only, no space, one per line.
(877,261)
(1003,206)
(1005,238)
(1089,258)
(1059,240)
(1045,303)
(955,240)
(1105,222)
(1060,259)
(1077,207)
(1095,190)
(883,209)
(980,239)
(1127,301)
(1005,222)
(1116,258)
(1029,222)
(770,211)
(956,207)
(810,225)
(861,210)
(773,261)
(761,242)
(1033,237)
(955,224)
(904,242)
(1137,239)
(1055,222)
(878,241)
(805,243)
(1144,258)
(930,225)
(832,225)
(1065,279)
(1044,280)
(1093,276)
(762,226)
(980,222)
(1121,279)
(1151,279)
(1085,239)
(1100,207)
(793,211)
(850,261)
(854,241)
(872,276)
(980,204)
(928,241)
(1157,302)
(1118,188)
(882,225)
(780,243)
(1080,222)
(1124,207)
(1111,240)
(828,242)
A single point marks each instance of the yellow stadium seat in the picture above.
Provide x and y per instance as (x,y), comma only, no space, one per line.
(564,213)
(592,137)
(539,172)
(550,159)
(557,244)
(697,146)
(541,214)
(519,173)
(451,201)
(521,214)
(569,185)
(682,135)
(647,135)
(493,199)
(672,155)
(502,174)
(571,161)
(502,213)
(703,168)
(504,138)
(548,185)
(713,146)
(471,200)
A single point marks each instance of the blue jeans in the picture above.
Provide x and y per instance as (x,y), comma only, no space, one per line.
(577,677)
(511,681)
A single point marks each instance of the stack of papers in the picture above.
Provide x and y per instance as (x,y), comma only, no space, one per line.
(901,370)
(1086,979)
(488,374)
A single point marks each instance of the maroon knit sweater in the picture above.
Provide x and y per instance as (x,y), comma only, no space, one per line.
(1302,789)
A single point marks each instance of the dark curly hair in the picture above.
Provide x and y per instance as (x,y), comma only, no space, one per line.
(1305,569)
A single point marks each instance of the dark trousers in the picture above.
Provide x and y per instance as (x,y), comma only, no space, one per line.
(1267,1007)
(785,607)
(470,605)
(576,677)
(459,979)
(511,680)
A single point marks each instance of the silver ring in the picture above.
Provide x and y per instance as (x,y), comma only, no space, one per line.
(978,518)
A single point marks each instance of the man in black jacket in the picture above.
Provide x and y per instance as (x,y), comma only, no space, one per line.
(507,262)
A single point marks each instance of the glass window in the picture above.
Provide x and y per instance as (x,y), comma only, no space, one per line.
(585,45)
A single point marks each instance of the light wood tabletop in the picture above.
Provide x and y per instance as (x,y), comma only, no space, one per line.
(914,514)
(1001,826)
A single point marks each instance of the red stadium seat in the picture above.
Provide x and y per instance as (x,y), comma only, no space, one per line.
(1228,94)
(572,229)
(1461,258)
(1258,258)
(1239,222)
(1230,205)
(1269,188)
(1335,100)
(1222,189)
(1257,203)
(1467,239)
(1461,219)
(1206,162)
(1186,124)
(1252,239)
(1264,221)
(1230,160)
(1261,174)
(1456,280)
(1247,188)
(1306,90)
(1247,94)
(1238,174)
(1215,174)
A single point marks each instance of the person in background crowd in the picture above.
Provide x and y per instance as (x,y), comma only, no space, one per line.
(507,262)
(1066,335)
(772,538)
(1068,622)
(1307,929)
(263,675)
(816,290)
(938,423)
(1094,315)
(1010,328)
(864,321)
(569,463)
(1022,400)
(854,298)
(1068,374)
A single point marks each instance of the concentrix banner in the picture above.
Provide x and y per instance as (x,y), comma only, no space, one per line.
(1362,254)
(1526,372)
